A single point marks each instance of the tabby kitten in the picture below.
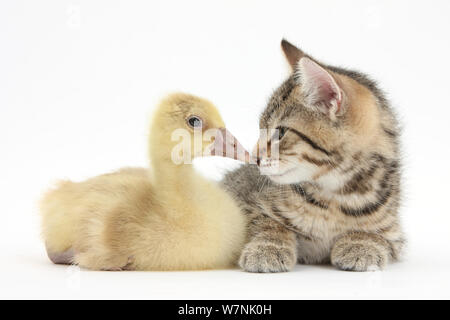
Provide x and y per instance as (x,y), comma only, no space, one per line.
(333,194)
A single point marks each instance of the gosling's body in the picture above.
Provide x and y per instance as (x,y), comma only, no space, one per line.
(165,218)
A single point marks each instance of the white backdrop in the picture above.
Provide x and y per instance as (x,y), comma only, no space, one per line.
(78,80)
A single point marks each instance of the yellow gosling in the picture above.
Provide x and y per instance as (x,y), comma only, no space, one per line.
(167,217)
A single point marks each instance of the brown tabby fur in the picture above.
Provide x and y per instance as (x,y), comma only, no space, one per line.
(346,210)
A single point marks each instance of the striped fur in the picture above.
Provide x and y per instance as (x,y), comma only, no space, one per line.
(340,195)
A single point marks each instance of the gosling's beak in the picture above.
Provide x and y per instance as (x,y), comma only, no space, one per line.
(226,145)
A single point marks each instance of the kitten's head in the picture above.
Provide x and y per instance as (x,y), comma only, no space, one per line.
(323,115)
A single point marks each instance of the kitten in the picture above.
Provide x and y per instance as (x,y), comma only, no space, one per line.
(333,195)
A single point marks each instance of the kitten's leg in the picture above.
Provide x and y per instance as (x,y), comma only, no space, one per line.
(272,247)
(360,251)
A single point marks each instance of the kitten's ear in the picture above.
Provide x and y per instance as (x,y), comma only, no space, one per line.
(292,53)
(319,88)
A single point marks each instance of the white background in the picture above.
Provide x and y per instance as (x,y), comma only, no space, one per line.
(78,80)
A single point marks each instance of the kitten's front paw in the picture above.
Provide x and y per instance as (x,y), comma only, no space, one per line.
(358,257)
(267,257)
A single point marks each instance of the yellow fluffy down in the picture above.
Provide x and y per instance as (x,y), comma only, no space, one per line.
(130,220)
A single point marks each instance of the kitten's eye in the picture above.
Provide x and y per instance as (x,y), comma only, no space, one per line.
(281,132)
(194,122)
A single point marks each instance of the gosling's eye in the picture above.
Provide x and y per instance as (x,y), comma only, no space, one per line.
(281,132)
(194,122)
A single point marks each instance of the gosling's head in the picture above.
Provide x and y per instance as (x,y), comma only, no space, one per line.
(186,126)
